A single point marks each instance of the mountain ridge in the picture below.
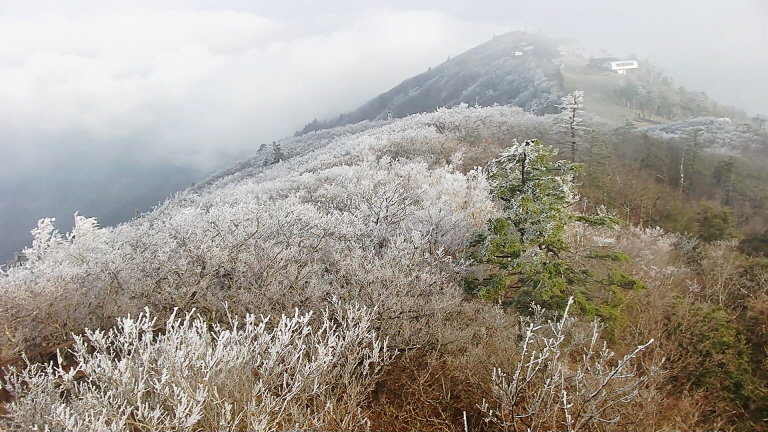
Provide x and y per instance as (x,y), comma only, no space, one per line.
(515,68)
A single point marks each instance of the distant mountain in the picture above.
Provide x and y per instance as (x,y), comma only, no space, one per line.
(516,69)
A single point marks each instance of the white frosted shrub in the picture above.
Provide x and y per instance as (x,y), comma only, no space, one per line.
(410,287)
(299,372)
(653,253)
(565,378)
(56,290)
(720,281)
(649,246)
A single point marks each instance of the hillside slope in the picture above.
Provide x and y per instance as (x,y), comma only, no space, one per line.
(350,193)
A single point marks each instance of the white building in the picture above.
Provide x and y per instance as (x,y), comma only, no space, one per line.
(621,66)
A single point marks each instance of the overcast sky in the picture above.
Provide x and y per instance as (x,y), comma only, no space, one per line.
(199,84)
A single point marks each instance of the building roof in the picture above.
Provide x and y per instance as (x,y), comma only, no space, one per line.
(622,64)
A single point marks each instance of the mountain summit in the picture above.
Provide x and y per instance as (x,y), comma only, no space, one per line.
(515,68)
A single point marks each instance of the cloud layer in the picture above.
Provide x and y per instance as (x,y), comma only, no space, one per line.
(201,87)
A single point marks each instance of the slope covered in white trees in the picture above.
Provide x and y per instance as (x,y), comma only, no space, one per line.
(716,135)
(334,218)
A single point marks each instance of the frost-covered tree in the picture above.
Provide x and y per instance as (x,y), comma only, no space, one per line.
(572,105)
(524,247)
(535,193)
(276,155)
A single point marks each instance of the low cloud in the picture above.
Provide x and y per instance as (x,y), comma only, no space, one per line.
(201,88)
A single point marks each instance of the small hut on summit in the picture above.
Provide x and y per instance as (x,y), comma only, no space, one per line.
(621,66)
